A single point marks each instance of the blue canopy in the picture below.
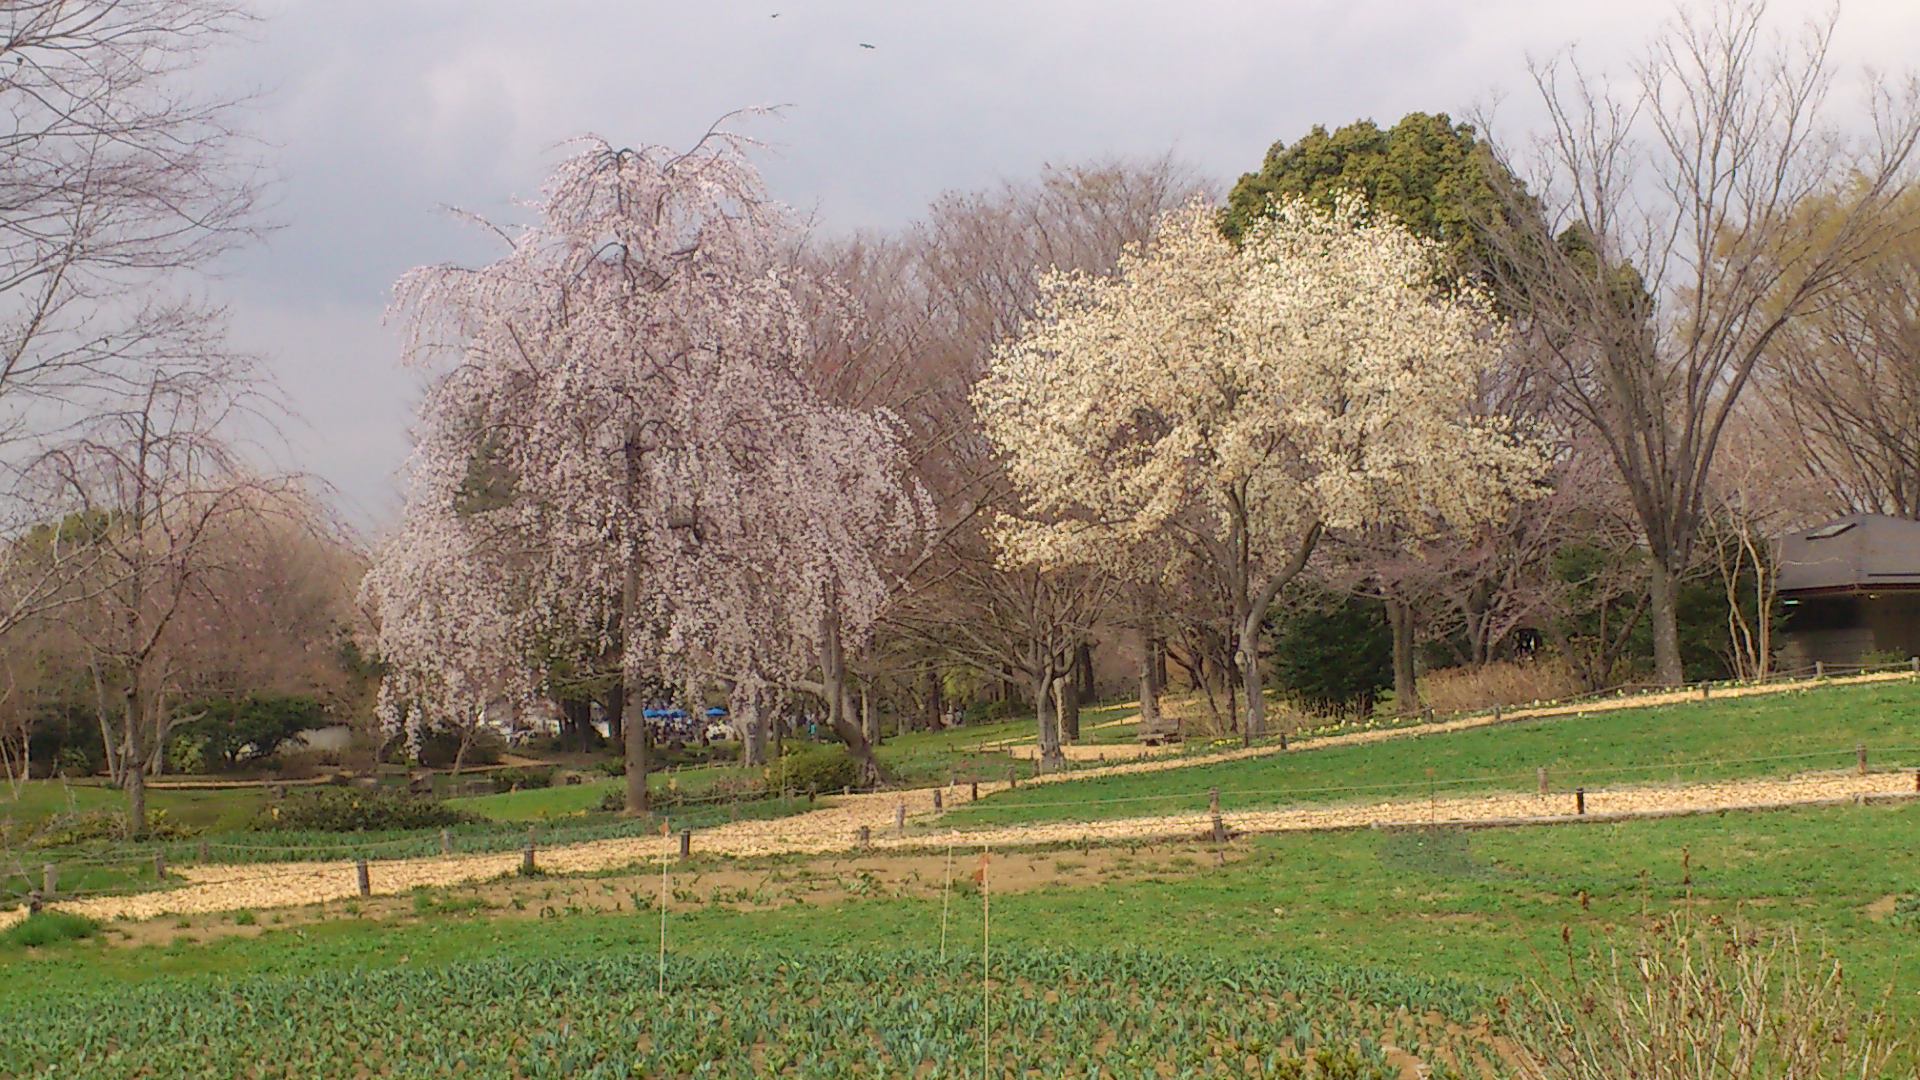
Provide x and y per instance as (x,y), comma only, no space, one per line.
(716,711)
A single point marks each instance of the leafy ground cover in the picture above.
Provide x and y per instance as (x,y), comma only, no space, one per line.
(1732,737)
(1051,1014)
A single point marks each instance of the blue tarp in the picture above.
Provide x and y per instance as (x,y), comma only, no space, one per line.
(716,711)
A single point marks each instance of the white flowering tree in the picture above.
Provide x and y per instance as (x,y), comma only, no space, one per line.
(627,380)
(1243,400)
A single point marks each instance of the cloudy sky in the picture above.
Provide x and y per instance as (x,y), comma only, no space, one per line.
(381,113)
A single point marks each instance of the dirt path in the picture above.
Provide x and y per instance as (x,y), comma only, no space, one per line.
(835,829)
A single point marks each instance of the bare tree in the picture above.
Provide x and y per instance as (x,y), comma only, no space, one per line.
(1843,391)
(171,506)
(114,179)
(961,281)
(1670,257)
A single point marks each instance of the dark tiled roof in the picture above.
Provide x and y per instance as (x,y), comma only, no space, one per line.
(1857,551)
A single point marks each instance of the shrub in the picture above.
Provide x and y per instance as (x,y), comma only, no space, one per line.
(820,769)
(1502,682)
(233,731)
(505,780)
(331,809)
(86,826)
(47,928)
(1701,1003)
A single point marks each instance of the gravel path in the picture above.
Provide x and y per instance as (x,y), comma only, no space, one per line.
(835,828)
(836,825)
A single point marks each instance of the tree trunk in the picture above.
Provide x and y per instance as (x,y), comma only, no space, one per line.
(936,700)
(133,763)
(1406,692)
(136,786)
(1051,756)
(1083,671)
(1069,705)
(1665,612)
(869,724)
(777,728)
(1251,685)
(460,751)
(833,679)
(1149,687)
(615,710)
(751,720)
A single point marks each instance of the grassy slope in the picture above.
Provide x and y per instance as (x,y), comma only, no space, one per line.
(1695,741)
(1485,907)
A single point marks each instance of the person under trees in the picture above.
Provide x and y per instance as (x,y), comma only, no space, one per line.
(631,367)
(1244,399)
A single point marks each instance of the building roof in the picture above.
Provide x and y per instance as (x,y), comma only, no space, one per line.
(1859,551)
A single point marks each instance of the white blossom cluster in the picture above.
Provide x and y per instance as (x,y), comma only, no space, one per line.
(1313,376)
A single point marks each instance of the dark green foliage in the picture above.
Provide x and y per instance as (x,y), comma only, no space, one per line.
(439,748)
(986,712)
(234,731)
(1432,174)
(47,928)
(65,736)
(517,779)
(813,768)
(331,809)
(1332,654)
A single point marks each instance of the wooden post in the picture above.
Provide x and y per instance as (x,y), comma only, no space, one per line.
(813,792)
(1542,777)
(975,797)
(49,881)
(446,841)
(1580,801)
(159,866)
(686,843)
(1496,714)
(1013,777)
(866,836)
(1706,691)
(1819,669)
(900,819)
(1860,754)
(360,877)
(1213,801)
(845,790)
(1913,663)
(936,801)
(204,857)
(1283,740)
(527,864)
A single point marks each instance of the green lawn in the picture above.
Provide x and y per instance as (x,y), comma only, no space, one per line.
(1813,729)
(1474,912)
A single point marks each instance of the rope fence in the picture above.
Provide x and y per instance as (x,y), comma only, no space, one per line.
(1583,795)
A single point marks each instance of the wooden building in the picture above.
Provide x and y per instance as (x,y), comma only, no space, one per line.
(1851,588)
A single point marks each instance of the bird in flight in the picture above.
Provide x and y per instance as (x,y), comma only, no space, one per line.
(864,45)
